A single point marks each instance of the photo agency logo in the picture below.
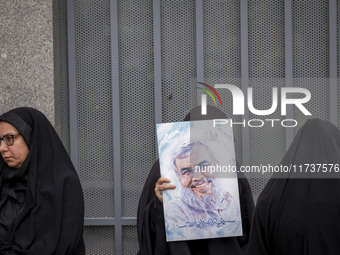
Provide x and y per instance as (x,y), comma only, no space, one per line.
(239,104)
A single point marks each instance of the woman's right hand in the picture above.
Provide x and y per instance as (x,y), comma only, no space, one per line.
(161,185)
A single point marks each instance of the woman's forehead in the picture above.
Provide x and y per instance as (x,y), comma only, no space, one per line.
(6,128)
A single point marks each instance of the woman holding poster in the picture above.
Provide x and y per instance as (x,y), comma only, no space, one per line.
(150,221)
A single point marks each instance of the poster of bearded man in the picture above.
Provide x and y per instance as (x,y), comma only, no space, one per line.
(200,160)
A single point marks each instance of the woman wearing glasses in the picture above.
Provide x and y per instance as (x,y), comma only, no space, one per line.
(41,201)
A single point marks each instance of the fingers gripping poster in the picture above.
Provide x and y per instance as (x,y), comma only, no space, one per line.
(199,158)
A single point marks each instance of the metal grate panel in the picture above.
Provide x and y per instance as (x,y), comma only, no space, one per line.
(130,241)
(99,240)
(94,106)
(222,63)
(266,70)
(310,56)
(178,46)
(60,59)
(222,53)
(63,76)
(136,99)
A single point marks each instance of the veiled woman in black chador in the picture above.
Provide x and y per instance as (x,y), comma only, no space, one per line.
(150,219)
(298,211)
(41,200)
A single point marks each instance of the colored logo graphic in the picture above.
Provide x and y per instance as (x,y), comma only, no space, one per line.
(209,93)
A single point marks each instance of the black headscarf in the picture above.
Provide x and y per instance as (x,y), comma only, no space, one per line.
(47,188)
(299,214)
(150,217)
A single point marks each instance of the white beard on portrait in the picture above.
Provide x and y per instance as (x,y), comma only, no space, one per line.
(209,203)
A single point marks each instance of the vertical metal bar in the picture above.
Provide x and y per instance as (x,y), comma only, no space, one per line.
(245,79)
(289,65)
(157,63)
(333,91)
(71,45)
(157,59)
(116,124)
(199,47)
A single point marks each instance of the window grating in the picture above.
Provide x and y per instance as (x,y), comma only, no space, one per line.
(136,99)
(310,56)
(178,47)
(99,240)
(222,54)
(94,106)
(266,70)
(222,63)
(130,242)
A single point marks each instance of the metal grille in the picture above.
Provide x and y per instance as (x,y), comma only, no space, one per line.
(266,70)
(94,106)
(222,53)
(99,240)
(61,72)
(63,76)
(178,58)
(222,63)
(310,56)
(130,242)
(136,100)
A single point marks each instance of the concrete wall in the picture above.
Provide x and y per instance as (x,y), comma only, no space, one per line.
(26,55)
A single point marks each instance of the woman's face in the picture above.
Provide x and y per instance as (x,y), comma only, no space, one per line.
(15,154)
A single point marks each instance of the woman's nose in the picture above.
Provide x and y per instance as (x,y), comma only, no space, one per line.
(3,146)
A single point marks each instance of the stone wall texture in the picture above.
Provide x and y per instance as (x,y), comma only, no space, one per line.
(26,55)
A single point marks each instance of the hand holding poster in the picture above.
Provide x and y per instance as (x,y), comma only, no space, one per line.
(200,160)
